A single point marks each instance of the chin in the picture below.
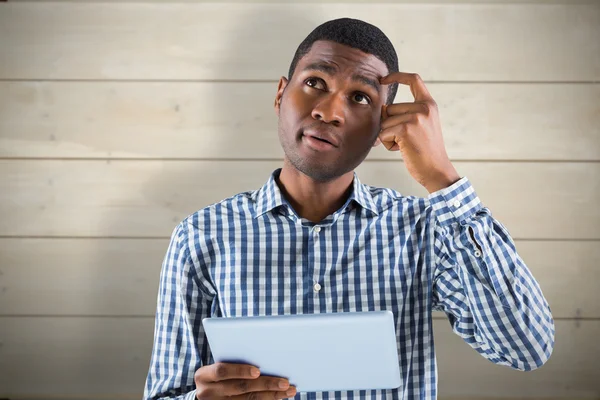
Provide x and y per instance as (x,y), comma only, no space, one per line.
(318,172)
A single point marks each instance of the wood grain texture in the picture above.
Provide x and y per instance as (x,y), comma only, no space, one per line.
(147,199)
(185,41)
(91,358)
(571,371)
(119,277)
(214,120)
(82,241)
(474,2)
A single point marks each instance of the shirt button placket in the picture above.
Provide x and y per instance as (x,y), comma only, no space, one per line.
(316,286)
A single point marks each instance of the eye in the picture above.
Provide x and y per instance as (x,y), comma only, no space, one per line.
(315,82)
(361,98)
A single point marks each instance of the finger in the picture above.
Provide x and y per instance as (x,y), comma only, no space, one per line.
(397,120)
(383,113)
(223,371)
(234,387)
(417,86)
(266,395)
(390,139)
(403,108)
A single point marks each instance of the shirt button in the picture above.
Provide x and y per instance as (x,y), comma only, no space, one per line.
(456,203)
(317,229)
(317,287)
(477,253)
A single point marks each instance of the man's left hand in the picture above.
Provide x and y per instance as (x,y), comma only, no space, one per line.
(415,130)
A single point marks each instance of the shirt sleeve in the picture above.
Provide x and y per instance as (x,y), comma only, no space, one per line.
(180,345)
(487,292)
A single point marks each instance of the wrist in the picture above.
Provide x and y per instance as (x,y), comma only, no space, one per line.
(443,180)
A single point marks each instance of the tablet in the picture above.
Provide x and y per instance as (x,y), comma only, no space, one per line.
(316,352)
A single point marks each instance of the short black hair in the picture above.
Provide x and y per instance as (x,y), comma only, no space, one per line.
(357,34)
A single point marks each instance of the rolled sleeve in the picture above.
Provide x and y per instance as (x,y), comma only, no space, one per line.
(489,295)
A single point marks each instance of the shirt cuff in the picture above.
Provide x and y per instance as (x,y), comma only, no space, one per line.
(456,203)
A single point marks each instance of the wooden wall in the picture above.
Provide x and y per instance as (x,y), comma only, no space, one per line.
(118,119)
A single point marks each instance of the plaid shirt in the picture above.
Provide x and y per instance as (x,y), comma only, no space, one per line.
(252,255)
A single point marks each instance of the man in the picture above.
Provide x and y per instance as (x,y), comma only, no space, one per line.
(314,239)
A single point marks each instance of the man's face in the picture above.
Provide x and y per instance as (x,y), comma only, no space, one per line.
(330,110)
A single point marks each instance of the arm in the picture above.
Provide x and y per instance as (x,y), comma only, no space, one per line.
(180,345)
(489,295)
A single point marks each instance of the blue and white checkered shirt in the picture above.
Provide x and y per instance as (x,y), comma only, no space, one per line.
(252,255)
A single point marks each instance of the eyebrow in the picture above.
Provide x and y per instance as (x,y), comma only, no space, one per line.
(330,70)
(367,81)
(322,67)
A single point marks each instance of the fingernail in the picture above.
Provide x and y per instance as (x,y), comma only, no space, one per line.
(255,372)
(291,392)
(283,384)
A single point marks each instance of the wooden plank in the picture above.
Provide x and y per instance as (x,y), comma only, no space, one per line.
(571,372)
(148,198)
(74,357)
(119,277)
(487,42)
(80,276)
(213,119)
(347,1)
(92,358)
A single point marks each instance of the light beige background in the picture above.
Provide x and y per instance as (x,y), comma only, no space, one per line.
(118,119)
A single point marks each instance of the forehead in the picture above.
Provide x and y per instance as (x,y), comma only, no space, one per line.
(347,59)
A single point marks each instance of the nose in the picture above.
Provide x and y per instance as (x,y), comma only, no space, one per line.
(330,110)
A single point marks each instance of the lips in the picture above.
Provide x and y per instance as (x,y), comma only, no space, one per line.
(323,137)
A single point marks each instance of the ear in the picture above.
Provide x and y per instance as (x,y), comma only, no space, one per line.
(282,85)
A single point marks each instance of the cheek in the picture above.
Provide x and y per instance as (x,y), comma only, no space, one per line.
(299,100)
(376,123)
(369,124)
(292,113)
(297,105)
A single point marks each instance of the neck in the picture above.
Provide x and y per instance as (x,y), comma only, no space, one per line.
(312,199)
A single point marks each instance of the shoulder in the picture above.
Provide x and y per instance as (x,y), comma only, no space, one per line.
(387,199)
(216,216)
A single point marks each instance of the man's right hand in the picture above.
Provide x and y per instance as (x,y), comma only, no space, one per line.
(237,382)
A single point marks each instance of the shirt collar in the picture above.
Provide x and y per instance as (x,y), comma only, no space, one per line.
(269,196)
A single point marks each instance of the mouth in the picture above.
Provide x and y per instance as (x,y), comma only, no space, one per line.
(318,143)
(323,137)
